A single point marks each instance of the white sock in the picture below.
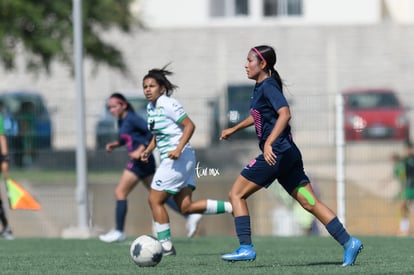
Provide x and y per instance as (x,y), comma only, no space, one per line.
(163,231)
(218,207)
(405,225)
(228,207)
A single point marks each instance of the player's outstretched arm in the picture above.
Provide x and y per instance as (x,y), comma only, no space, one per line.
(226,133)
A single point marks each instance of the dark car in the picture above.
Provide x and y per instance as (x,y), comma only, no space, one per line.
(27,123)
(106,128)
(236,109)
(375,114)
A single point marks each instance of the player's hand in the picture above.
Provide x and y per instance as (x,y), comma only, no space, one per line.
(268,154)
(144,156)
(108,147)
(135,155)
(226,133)
(174,154)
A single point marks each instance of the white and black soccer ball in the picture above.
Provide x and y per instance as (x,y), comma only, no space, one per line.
(146,251)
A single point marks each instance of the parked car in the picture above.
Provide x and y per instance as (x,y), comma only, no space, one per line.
(27,123)
(375,114)
(236,109)
(106,129)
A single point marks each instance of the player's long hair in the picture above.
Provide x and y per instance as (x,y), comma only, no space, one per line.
(269,55)
(160,75)
(120,97)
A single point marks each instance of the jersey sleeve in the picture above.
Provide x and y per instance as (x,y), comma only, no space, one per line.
(140,124)
(134,129)
(275,97)
(175,110)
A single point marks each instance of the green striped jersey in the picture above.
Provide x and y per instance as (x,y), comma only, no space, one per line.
(164,122)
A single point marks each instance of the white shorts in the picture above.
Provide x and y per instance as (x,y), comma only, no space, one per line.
(174,175)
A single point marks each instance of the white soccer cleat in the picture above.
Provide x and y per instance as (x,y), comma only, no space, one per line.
(193,221)
(112,236)
(6,234)
(168,248)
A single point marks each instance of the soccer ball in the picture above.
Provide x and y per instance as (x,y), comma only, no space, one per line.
(146,251)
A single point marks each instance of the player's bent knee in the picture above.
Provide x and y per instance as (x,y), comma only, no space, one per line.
(308,196)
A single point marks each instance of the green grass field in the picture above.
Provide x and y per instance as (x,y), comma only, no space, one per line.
(276,255)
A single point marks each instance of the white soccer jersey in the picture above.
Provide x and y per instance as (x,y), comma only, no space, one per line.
(163,121)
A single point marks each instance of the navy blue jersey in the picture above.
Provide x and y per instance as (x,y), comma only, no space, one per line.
(133,131)
(266,100)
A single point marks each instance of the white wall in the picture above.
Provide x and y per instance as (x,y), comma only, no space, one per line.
(401,11)
(195,13)
(342,11)
(176,13)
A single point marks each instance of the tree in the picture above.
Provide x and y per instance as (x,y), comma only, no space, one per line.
(43,30)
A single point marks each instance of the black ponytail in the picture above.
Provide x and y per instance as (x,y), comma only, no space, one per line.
(275,75)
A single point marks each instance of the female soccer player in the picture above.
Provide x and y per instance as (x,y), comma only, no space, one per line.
(280,160)
(6,232)
(172,129)
(406,165)
(134,134)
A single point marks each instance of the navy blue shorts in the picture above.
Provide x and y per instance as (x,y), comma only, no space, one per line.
(142,169)
(288,170)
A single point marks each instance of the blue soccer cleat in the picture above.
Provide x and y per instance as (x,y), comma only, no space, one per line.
(351,251)
(243,253)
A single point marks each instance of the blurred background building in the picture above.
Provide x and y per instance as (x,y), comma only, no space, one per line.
(323,48)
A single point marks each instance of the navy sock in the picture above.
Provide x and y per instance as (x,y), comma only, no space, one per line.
(243,230)
(337,231)
(120,214)
(3,218)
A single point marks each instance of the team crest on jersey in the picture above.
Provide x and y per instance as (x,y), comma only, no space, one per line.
(160,110)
